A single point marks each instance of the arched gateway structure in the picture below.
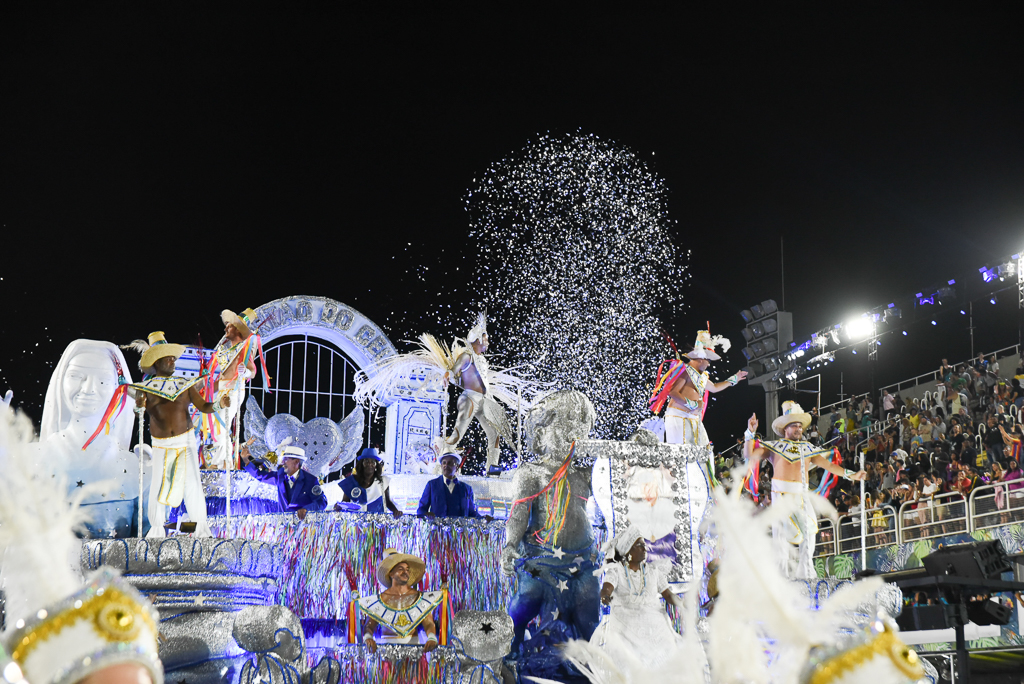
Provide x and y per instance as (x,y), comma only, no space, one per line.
(314,346)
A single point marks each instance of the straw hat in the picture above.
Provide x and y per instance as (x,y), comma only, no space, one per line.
(243,322)
(791,413)
(393,557)
(158,349)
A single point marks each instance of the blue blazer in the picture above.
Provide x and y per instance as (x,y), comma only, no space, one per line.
(306,493)
(455,504)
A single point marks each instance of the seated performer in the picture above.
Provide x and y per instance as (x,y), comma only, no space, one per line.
(367,487)
(791,458)
(634,589)
(235,359)
(400,612)
(175,457)
(446,496)
(297,490)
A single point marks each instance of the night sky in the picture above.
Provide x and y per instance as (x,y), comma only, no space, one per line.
(158,168)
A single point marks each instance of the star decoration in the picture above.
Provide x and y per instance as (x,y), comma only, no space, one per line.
(573,571)
(80,484)
(486,627)
(534,572)
(558,552)
(577,559)
(200,600)
(554,615)
(562,585)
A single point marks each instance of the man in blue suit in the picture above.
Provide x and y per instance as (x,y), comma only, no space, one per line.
(447,496)
(297,490)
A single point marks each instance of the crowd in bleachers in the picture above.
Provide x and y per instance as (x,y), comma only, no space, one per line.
(924,458)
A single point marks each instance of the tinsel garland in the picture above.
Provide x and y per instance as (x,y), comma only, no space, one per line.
(392,664)
(321,551)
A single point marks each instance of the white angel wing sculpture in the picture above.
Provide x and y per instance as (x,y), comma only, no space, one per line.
(255,428)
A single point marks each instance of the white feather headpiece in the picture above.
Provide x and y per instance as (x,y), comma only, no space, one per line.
(46,601)
(478,330)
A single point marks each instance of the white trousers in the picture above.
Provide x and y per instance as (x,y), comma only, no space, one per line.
(224,441)
(470,406)
(176,472)
(796,535)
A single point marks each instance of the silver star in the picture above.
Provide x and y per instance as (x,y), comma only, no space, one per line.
(554,615)
(558,552)
(562,585)
(200,600)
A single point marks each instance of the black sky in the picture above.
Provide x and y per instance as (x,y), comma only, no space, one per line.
(156,168)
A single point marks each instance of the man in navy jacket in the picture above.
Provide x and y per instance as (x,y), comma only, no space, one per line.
(297,490)
(446,496)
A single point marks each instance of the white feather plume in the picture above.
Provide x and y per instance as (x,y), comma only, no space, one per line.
(719,341)
(140,346)
(37,523)
(755,599)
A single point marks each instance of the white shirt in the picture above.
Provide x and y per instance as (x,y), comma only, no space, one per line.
(450,484)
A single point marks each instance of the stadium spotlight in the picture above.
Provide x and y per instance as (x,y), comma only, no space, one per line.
(859,328)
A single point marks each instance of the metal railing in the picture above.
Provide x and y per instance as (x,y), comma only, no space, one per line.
(934,375)
(987,506)
(935,516)
(826,542)
(881,529)
(993,505)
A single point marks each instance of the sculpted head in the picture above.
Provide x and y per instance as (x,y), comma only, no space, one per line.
(81,387)
(558,420)
(88,384)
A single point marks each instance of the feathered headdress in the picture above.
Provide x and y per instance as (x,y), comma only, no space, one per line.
(478,330)
(704,347)
(46,602)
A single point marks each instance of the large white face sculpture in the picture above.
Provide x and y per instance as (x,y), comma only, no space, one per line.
(88,385)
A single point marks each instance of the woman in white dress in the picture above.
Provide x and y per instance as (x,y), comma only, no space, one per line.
(633,589)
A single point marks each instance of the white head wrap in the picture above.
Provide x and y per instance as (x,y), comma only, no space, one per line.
(624,540)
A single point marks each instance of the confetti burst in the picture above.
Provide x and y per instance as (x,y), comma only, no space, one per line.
(576,266)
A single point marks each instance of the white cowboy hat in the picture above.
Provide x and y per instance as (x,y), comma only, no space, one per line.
(791,413)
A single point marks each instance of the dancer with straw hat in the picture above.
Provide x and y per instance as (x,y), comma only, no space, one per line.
(791,458)
(234,363)
(166,398)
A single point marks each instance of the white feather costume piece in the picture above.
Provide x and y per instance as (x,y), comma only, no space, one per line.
(423,371)
(37,524)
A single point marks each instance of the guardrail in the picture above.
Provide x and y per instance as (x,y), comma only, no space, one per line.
(881,529)
(934,375)
(936,516)
(996,504)
(988,506)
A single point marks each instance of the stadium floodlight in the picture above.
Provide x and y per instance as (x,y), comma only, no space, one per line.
(769,307)
(757,329)
(758,349)
(859,328)
(748,336)
(747,316)
(757,311)
(771,325)
(770,345)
